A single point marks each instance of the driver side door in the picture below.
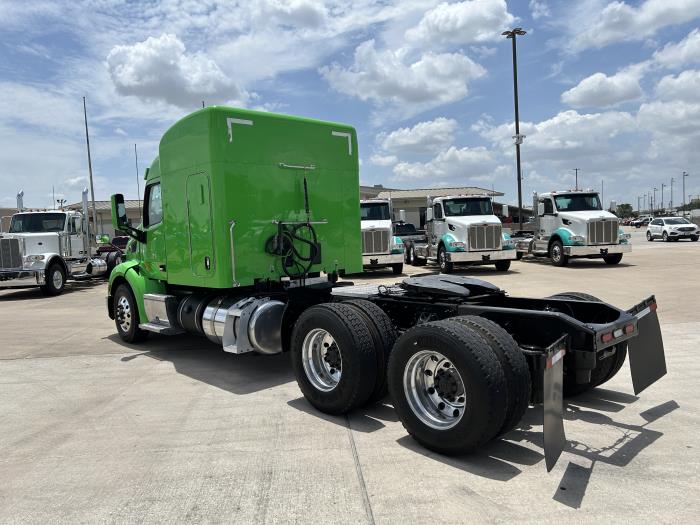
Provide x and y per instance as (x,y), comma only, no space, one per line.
(154,260)
(439,225)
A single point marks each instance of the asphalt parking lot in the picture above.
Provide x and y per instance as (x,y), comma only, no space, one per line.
(176,430)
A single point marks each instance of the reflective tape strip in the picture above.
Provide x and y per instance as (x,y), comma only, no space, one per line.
(555,358)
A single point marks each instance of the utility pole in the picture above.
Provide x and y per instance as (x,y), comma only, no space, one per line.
(653,203)
(639,198)
(602,191)
(663,185)
(138,188)
(576,173)
(92,187)
(670,204)
(53,195)
(684,176)
(518,138)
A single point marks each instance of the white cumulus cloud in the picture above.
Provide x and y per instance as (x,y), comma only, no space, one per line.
(452,163)
(383,160)
(463,22)
(424,137)
(678,54)
(539,9)
(159,68)
(685,86)
(601,90)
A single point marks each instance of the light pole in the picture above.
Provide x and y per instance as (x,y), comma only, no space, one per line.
(638,199)
(663,185)
(518,138)
(670,204)
(653,203)
(684,176)
(602,192)
(576,175)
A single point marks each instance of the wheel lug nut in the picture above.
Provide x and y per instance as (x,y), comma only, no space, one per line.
(455,413)
(428,372)
(441,406)
(431,391)
(434,358)
(461,399)
(447,365)
(332,371)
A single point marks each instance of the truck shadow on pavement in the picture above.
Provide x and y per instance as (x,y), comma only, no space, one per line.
(34,292)
(208,363)
(577,263)
(500,460)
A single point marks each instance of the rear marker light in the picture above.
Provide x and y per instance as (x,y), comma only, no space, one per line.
(652,307)
(606,338)
(629,328)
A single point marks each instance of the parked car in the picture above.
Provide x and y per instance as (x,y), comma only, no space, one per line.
(672,229)
(641,222)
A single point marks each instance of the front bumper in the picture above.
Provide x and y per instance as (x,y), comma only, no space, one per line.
(682,235)
(484,257)
(369,261)
(600,249)
(13,278)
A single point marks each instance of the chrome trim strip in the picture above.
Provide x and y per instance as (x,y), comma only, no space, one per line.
(232,225)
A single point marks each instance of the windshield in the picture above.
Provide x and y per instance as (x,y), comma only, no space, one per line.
(461,207)
(375,211)
(678,220)
(578,202)
(405,229)
(38,222)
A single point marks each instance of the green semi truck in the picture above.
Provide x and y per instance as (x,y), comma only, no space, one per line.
(251,220)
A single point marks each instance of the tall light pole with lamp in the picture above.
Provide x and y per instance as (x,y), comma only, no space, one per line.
(517,138)
(685,174)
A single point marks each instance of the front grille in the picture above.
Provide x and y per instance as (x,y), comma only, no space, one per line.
(375,241)
(686,229)
(10,254)
(604,231)
(484,237)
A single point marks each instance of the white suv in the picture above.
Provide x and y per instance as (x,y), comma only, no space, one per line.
(672,228)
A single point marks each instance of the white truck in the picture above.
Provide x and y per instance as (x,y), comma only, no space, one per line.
(46,248)
(573,224)
(463,229)
(380,248)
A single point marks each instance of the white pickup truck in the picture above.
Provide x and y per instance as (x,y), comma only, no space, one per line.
(573,224)
(46,248)
(380,248)
(463,229)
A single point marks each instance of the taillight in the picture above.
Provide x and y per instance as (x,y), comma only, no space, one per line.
(629,329)
(653,307)
(606,338)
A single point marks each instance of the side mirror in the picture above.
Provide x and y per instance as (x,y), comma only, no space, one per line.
(429,214)
(540,209)
(504,210)
(120,220)
(402,215)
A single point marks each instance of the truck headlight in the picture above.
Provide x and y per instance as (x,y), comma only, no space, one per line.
(397,246)
(577,238)
(34,258)
(457,246)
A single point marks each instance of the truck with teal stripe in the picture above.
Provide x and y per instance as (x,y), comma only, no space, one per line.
(570,224)
(462,229)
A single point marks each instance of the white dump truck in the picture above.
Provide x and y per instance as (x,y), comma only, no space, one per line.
(46,248)
(380,248)
(573,224)
(463,229)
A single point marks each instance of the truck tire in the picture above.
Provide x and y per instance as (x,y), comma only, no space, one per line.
(502,266)
(113,259)
(416,261)
(55,278)
(445,265)
(513,363)
(333,357)
(605,368)
(613,258)
(407,258)
(556,253)
(447,386)
(126,316)
(518,256)
(397,268)
(384,336)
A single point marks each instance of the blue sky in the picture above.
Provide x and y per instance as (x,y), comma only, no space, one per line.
(609,87)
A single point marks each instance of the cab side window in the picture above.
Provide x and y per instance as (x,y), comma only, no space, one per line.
(548,206)
(153,213)
(437,211)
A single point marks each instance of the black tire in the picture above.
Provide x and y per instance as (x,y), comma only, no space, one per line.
(55,279)
(694,238)
(397,268)
(664,237)
(484,400)
(407,257)
(384,336)
(613,258)
(518,256)
(502,266)
(513,363)
(126,316)
(113,259)
(445,265)
(556,253)
(605,369)
(650,237)
(356,348)
(416,261)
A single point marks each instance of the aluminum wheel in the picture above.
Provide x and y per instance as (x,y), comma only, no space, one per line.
(57,278)
(556,253)
(124,313)
(322,361)
(434,389)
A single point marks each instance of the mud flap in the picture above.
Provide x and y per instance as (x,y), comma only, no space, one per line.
(553,402)
(646,351)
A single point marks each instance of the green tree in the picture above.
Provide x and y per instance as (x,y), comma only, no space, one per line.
(624,210)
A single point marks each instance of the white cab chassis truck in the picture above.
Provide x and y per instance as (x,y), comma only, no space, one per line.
(573,224)
(463,229)
(46,248)
(380,248)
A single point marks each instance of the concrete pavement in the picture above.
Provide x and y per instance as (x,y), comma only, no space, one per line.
(174,429)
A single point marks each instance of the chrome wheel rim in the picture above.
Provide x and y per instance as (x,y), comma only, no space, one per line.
(434,390)
(323,363)
(556,252)
(124,314)
(443,261)
(57,279)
